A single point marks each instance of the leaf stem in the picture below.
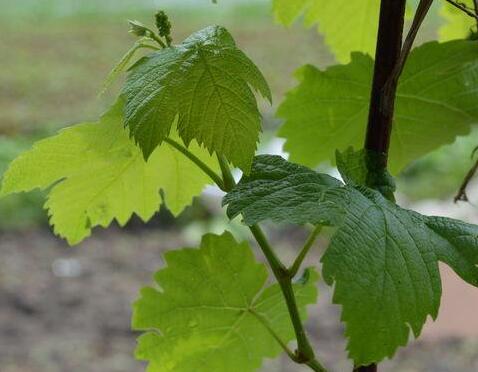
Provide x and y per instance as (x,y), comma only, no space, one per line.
(273,333)
(227,177)
(156,38)
(420,14)
(304,353)
(304,251)
(463,8)
(278,268)
(203,166)
(121,65)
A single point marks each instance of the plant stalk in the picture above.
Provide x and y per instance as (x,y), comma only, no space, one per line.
(293,270)
(203,166)
(304,353)
(382,102)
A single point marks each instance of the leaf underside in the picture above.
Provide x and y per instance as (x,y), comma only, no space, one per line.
(209,310)
(435,103)
(383,259)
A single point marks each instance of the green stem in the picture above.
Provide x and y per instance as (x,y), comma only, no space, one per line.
(305,353)
(278,268)
(316,366)
(273,333)
(156,38)
(227,177)
(304,251)
(203,166)
(147,46)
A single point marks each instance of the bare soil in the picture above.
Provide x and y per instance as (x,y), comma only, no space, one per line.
(68,309)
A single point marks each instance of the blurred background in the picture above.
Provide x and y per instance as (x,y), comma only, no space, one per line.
(68,309)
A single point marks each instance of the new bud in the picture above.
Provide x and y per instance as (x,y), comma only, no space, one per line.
(138,29)
(163,25)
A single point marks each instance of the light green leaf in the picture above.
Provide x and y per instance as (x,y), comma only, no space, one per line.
(381,256)
(98,175)
(435,103)
(211,309)
(347,25)
(206,83)
(281,191)
(458,25)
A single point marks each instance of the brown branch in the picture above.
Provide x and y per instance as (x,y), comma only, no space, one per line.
(420,14)
(379,127)
(461,195)
(370,368)
(463,8)
(475,3)
(389,44)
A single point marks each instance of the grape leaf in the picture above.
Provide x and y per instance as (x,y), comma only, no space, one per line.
(435,103)
(347,25)
(276,189)
(381,256)
(386,258)
(457,25)
(365,168)
(98,174)
(205,83)
(212,309)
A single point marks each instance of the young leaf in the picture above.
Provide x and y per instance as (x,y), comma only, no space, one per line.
(206,83)
(435,104)
(457,25)
(213,310)
(99,175)
(381,256)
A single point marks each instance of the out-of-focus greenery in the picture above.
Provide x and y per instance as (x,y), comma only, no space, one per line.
(56,53)
(22,210)
(439,174)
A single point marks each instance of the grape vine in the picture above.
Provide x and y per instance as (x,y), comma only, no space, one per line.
(188,114)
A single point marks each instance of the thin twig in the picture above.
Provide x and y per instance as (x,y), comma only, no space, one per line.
(463,8)
(475,3)
(461,195)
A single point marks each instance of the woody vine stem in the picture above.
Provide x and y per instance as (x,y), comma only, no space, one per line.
(390,58)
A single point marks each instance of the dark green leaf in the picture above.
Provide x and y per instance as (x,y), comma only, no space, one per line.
(283,191)
(203,83)
(383,259)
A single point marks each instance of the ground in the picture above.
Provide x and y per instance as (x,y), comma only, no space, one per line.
(68,309)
